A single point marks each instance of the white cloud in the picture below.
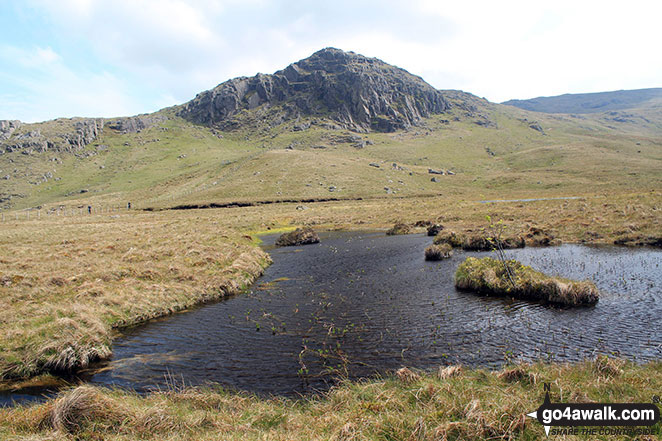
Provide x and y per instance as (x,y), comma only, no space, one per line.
(500,50)
(54,89)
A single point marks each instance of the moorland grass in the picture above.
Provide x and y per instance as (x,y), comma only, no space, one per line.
(438,252)
(67,284)
(454,403)
(511,278)
(300,236)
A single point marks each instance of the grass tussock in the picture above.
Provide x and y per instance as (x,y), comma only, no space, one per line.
(438,252)
(65,285)
(398,228)
(300,236)
(434,229)
(476,241)
(491,276)
(453,404)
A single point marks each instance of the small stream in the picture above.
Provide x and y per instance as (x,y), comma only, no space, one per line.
(361,304)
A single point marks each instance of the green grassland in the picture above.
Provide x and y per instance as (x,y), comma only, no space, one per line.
(178,163)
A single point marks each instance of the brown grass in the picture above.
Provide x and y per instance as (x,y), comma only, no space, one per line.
(66,284)
(398,228)
(300,236)
(511,278)
(438,252)
(454,404)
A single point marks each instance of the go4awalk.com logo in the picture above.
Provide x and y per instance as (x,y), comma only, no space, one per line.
(629,419)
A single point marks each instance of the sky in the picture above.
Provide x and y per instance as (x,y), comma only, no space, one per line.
(105,58)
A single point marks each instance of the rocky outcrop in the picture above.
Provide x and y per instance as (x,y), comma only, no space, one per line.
(85,132)
(357,92)
(61,135)
(134,124)
(7,128)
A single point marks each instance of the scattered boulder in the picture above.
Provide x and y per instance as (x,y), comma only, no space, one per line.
(399,228)
(300,236)
(537,127)
(374,164)
(432,171)
(301,127)
(438,252)
(433,179)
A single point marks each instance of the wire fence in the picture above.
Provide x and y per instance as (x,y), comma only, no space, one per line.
(78,211)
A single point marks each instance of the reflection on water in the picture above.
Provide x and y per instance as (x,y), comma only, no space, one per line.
(359,304)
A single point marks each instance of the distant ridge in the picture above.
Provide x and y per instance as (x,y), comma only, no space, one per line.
(588,102)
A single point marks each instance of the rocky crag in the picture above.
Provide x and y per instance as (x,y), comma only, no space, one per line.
(355,92)
(62,135)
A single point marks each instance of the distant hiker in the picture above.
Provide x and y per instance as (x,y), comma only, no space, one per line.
(89,209)
(128,206)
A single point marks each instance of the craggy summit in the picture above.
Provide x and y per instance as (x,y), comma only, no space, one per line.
(356,92)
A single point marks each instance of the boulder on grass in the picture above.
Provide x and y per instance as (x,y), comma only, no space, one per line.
(300,236)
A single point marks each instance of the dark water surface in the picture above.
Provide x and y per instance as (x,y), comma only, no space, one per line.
(364,303)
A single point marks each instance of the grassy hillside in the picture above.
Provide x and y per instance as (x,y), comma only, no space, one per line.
(492,150)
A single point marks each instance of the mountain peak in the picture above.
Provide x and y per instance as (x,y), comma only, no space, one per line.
(356,92)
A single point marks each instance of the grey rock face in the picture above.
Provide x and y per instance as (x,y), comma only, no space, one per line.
(74,136)
(85,132)
(536,126)
(134,124)
(7,128)
(359,93)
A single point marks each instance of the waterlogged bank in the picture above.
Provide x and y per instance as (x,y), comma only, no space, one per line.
(66,286)
(458,404)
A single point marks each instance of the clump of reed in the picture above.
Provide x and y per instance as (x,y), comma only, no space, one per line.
(398,228)
(438,252)
(452,403)
(511,278)
(477,241)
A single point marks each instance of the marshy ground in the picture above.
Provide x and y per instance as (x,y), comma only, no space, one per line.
(68,284)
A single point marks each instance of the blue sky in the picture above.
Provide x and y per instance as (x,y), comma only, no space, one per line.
(64,58)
